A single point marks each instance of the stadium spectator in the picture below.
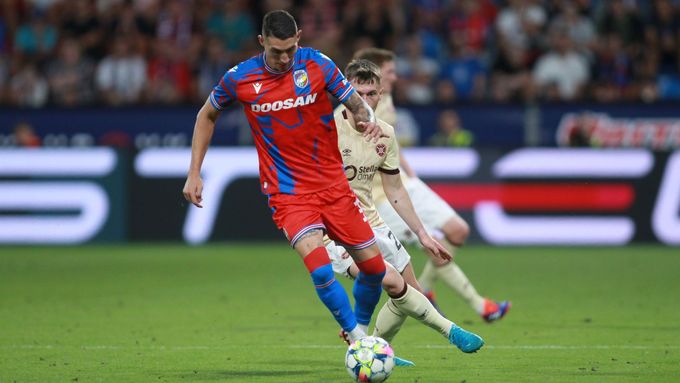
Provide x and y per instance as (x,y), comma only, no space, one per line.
(71,76)
(662,34)
(28,88)
(505,37)
(562,73)
(176,24)
(581,29)
(169,75)
(379,20)
(450,131)
(137,26)
(24,136)
(121,76)
(510,75)
(417,71)
(466,71)
(445,92)
(471,24)
(320,20)
(36,38)
(624,20)
(234,27)
(520,23)
(612,71)
(82,24)
(212,66)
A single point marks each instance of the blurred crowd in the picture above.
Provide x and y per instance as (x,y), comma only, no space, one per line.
(121,52)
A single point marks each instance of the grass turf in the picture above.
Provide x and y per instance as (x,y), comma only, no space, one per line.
(248,313)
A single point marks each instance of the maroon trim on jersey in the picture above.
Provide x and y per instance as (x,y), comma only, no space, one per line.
(389,171)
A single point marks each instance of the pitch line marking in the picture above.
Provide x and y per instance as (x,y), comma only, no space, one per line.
(329,346)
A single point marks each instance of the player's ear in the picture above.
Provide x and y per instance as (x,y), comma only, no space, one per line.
(260,39)
(297,35)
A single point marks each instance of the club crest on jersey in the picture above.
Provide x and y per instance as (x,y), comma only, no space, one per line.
(381,149)
(300,78)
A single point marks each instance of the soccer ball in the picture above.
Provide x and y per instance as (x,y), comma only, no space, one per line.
(369,359)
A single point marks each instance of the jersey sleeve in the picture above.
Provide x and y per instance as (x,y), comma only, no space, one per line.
(336,83)
(391,163)
(224,93)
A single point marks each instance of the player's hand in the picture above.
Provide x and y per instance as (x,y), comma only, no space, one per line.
(434,248)
(372,131)
(193,189)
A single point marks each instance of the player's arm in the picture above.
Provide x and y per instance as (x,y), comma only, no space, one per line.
(364,117)
(203,131)
(401,202)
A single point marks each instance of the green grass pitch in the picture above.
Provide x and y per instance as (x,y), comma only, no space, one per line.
(248,313)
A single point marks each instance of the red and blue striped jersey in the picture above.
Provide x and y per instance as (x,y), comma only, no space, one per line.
(291,119)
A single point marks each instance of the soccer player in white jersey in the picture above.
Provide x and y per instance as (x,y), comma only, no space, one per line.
(363,161)
(437,215)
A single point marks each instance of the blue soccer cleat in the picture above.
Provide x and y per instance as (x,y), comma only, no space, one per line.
(402,362)
(494,311)
(465,340)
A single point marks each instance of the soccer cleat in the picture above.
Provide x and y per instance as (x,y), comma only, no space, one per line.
(494,311)
(402,362)
(429,294)
(344,336)
(465,340)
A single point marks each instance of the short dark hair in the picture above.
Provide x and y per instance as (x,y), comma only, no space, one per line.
(377,56)
(279,24)
(363,72)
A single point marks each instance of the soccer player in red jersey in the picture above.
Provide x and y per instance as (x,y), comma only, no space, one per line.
(284,94)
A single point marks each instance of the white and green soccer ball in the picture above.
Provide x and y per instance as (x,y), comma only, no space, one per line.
(369,359)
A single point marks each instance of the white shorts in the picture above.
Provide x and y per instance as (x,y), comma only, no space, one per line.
(392,251)
(430,207)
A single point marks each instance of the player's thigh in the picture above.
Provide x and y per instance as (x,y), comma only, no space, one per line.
(395,223)
(391,248)
(299,217)
(456,230)
(430,207)
(308,241)
(345,222)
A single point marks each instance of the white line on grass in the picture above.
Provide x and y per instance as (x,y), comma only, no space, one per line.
(337,346)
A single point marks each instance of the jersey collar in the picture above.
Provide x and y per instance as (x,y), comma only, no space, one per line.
(274,71)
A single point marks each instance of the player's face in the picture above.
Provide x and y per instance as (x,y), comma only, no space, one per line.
(369,92)
(388,73)
(280,53)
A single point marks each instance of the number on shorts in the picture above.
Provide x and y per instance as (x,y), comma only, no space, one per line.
(397,244)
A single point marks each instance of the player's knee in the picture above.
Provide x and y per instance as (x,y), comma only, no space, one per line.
(393,282)
(456,231)
(319,266)
(372,266)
